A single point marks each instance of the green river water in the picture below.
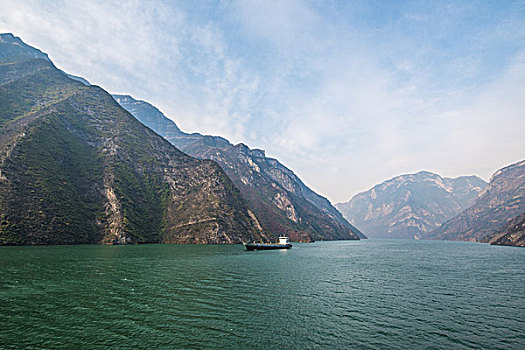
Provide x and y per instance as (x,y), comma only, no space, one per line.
(370,294)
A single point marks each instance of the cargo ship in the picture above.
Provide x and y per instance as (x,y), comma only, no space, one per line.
(282,244)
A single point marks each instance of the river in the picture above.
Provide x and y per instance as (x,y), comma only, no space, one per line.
(370,294)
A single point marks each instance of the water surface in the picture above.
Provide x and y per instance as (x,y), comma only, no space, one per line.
(371,294)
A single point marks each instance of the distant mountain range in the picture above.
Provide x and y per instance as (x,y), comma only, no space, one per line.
(411,205)
(502,201)
(75,167)
(426,205)
(280,200)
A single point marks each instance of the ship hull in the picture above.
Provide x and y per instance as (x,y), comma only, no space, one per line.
(262,246)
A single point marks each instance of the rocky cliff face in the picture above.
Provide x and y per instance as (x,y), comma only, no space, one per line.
(500,202)
(75,167)
(513,233)
(281,201)
(412,205)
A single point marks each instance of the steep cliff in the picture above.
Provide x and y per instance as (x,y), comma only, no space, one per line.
(411,205)
(75,167)
(513,233)
(281,201)
(502,201)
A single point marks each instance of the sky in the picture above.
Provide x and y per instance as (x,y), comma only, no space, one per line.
(347,94)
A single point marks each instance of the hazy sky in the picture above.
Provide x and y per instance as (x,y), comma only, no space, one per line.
(345,93)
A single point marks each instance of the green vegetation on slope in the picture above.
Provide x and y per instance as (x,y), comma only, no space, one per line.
(55,193)
(77,168)
(279,199)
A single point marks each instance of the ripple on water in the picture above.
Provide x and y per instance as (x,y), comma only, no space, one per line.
(367,295)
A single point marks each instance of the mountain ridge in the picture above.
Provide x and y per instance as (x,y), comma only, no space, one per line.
(500,202)
(12,46)
(281,201)
(408,205)
(75,167)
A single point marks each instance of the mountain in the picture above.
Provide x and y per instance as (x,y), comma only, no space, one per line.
(502,201)
(13,48)
(513,233)
(75,167)
(280,200)
(411,205)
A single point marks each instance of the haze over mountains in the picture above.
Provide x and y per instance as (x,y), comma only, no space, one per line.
(411,205)
(281,201)
(428,206)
